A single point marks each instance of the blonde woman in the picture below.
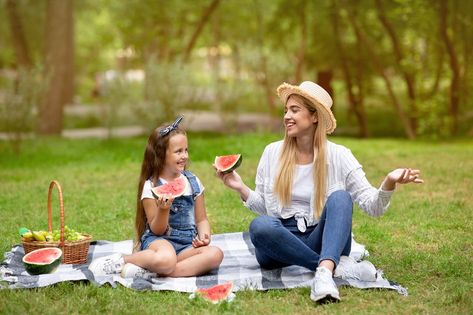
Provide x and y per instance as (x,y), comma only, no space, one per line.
(305,190)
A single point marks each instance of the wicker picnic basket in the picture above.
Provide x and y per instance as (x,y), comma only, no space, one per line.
(73,252)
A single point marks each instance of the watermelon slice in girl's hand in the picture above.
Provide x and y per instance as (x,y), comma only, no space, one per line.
(228,163)
(216,294)
(174,188)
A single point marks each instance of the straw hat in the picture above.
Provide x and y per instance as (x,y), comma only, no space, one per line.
(319,98)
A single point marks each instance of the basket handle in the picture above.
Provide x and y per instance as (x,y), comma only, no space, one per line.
(61,204)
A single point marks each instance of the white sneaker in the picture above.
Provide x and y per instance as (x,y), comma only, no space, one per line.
(348,268)
(133,271)
(107,265)
(323,286)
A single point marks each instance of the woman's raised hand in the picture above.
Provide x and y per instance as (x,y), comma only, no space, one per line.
(401,176)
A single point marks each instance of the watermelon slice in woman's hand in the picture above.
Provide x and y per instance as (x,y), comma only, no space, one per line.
(228,163)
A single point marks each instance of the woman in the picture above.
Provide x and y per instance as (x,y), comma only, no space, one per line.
(305,189)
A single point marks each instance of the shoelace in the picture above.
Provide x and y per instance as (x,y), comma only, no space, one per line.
(110,266)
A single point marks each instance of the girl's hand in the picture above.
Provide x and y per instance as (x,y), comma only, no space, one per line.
(201,241)
(164,202)
(401,176)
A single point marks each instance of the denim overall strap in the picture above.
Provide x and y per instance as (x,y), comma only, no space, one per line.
(194,184)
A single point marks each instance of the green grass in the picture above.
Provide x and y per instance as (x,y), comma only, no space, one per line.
(424,241)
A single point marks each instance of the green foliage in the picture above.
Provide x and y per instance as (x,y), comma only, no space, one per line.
(423,241)
(168,88)
(263,41)
(118,94)
(19,105)
(434,120)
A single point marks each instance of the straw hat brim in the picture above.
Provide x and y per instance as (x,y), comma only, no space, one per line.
(285,90)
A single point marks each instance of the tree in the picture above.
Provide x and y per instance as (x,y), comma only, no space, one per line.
(59,73)
(454,96)
(203,20)
(20,45)
(407,74)
(378,65)
(353,87)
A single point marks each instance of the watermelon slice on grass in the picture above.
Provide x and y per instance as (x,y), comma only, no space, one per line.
(43,260)
(228,163)
(174,188)
(216,293)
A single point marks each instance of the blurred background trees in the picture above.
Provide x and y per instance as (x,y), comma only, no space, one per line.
(394,67)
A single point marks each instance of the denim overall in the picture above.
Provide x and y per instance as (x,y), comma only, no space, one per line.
(181,225)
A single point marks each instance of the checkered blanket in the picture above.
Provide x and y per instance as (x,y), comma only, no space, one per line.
(239,266)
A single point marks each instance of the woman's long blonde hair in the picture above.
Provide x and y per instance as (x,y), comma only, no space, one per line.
(287,163)
(152,166)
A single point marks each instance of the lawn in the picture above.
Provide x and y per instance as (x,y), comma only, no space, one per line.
(424,241)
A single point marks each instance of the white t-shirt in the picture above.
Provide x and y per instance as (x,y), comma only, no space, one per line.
(147,193)
(302,190)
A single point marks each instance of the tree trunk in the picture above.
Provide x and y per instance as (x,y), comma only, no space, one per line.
(410,133)
(409,78)
(303,43)
(59,52)
(438,75)
(215,65)
(262,77)
(324,79)
(205,18)
(18,35)
(454,67)
(354,100)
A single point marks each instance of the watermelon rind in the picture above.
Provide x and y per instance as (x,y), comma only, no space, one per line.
(38,268)
(229,168)
(216,293)
(156,190)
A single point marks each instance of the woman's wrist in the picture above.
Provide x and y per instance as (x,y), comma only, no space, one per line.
(388,184)
(244,192)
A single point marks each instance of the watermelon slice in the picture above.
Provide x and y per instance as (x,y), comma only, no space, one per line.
(175,188)
(43,260)
(228,163)
(217,293)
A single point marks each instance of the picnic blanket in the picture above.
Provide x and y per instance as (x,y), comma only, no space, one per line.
(239,266)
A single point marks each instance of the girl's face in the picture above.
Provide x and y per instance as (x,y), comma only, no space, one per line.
(297,119)
(176,154)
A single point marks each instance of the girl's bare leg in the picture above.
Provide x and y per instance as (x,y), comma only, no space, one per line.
(197,261)
(160,257)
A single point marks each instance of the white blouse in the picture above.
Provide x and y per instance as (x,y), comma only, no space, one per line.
(344,173)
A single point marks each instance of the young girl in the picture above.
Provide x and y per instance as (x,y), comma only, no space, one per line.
(305,190)
(172,235)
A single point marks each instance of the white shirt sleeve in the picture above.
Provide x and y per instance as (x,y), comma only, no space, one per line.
(255,201)
(147,191)
(371,200)
(201,187)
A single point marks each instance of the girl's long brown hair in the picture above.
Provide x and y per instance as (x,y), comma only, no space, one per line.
(287,163)
(152,166)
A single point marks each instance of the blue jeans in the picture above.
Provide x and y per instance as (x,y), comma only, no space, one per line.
(279,243)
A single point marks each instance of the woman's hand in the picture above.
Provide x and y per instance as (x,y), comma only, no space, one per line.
(231,180)
(164,202)
(201,241)
(401,176)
